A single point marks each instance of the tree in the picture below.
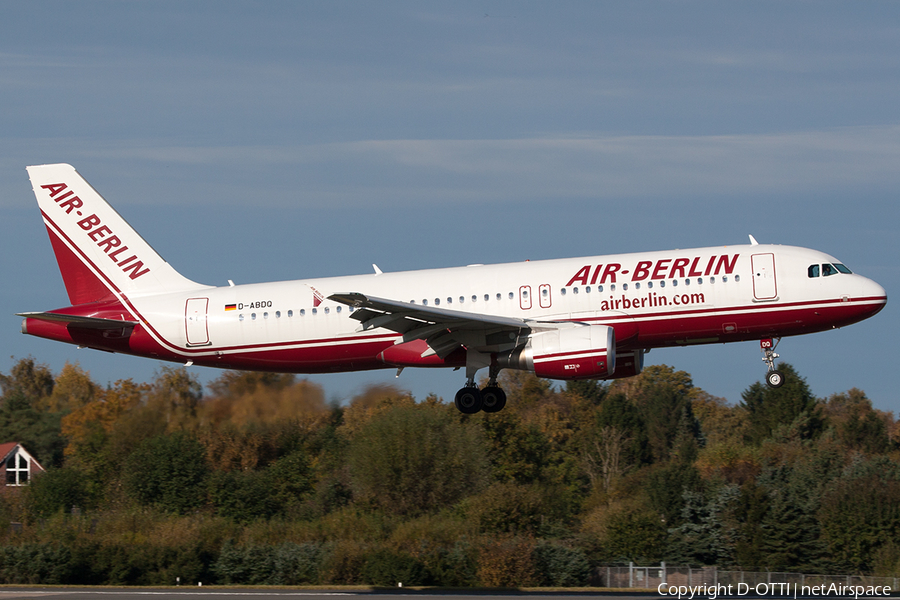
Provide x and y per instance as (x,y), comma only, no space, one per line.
(72,389)
(767,407)
(27,384)
(414,459)
(635,534)
(662,396)
(706,535)
(168,472)
(860,513)
(176,393)
(857,425)
(232,384)
(617,413)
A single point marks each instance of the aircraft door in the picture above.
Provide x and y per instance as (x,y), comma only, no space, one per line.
(544,291)
(764,285)
(525,297)
(195,324)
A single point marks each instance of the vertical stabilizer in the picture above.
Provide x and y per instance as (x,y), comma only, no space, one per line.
(99,254)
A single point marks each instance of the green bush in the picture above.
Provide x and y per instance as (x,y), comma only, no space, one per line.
(44,564)
(284,564)
(561,566)
(56,490)
(384,567)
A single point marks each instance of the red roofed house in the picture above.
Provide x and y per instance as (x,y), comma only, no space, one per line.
(17,467)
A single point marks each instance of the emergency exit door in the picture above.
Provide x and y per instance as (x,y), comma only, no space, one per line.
(196,328)
(764,285)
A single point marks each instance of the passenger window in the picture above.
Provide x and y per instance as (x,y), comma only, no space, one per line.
(812,271)
(563,291)
(737,277)
(290,313)
(327,310)
(587,290)
(599,288)
(828,270)
(302,312)
(624,287)
(338,309)
(487,297)
(474,298)
(574,290)
(437,301)
(511,296)
(637,286)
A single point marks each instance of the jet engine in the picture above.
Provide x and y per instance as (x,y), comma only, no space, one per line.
(576,352)
(628,364)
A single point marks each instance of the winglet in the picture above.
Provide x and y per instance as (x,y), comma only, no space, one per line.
(753,241)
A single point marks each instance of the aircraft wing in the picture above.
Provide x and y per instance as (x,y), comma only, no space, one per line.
(444,330)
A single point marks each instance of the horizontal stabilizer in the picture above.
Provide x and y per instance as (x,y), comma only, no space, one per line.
(79,321)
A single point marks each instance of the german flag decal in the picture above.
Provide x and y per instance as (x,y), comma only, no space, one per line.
(231,307)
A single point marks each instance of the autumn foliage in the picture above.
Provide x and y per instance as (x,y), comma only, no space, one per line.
(259,480)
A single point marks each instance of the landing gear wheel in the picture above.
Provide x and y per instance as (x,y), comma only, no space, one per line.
(774,379)
(493,399)
(468,400)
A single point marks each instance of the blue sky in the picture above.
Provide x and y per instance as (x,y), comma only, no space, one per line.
(261,141)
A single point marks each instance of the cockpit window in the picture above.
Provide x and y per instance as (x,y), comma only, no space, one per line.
(813,271)
(827,270)
(842,269)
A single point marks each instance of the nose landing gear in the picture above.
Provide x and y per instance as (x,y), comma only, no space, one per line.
(774,378)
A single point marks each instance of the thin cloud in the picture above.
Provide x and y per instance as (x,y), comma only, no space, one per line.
(402,172)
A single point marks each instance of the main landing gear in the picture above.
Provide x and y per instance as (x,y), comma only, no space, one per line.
(469,400)
(774,379)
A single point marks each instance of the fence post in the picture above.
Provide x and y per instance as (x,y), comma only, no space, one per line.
(662,566)
(630,574)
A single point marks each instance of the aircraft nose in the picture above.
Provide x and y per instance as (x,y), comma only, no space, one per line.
(871,292)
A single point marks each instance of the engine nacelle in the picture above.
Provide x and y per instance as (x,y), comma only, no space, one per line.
(577,352)
(628,364)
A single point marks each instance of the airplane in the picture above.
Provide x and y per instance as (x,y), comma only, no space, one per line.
(567,319)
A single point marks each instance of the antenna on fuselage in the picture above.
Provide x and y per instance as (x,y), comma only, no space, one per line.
(753,241)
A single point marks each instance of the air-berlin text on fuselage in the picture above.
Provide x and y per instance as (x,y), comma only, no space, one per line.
(664,268)
(101,234)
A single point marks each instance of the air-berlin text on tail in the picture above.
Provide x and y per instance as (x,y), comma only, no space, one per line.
(99,233)
(664,268)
